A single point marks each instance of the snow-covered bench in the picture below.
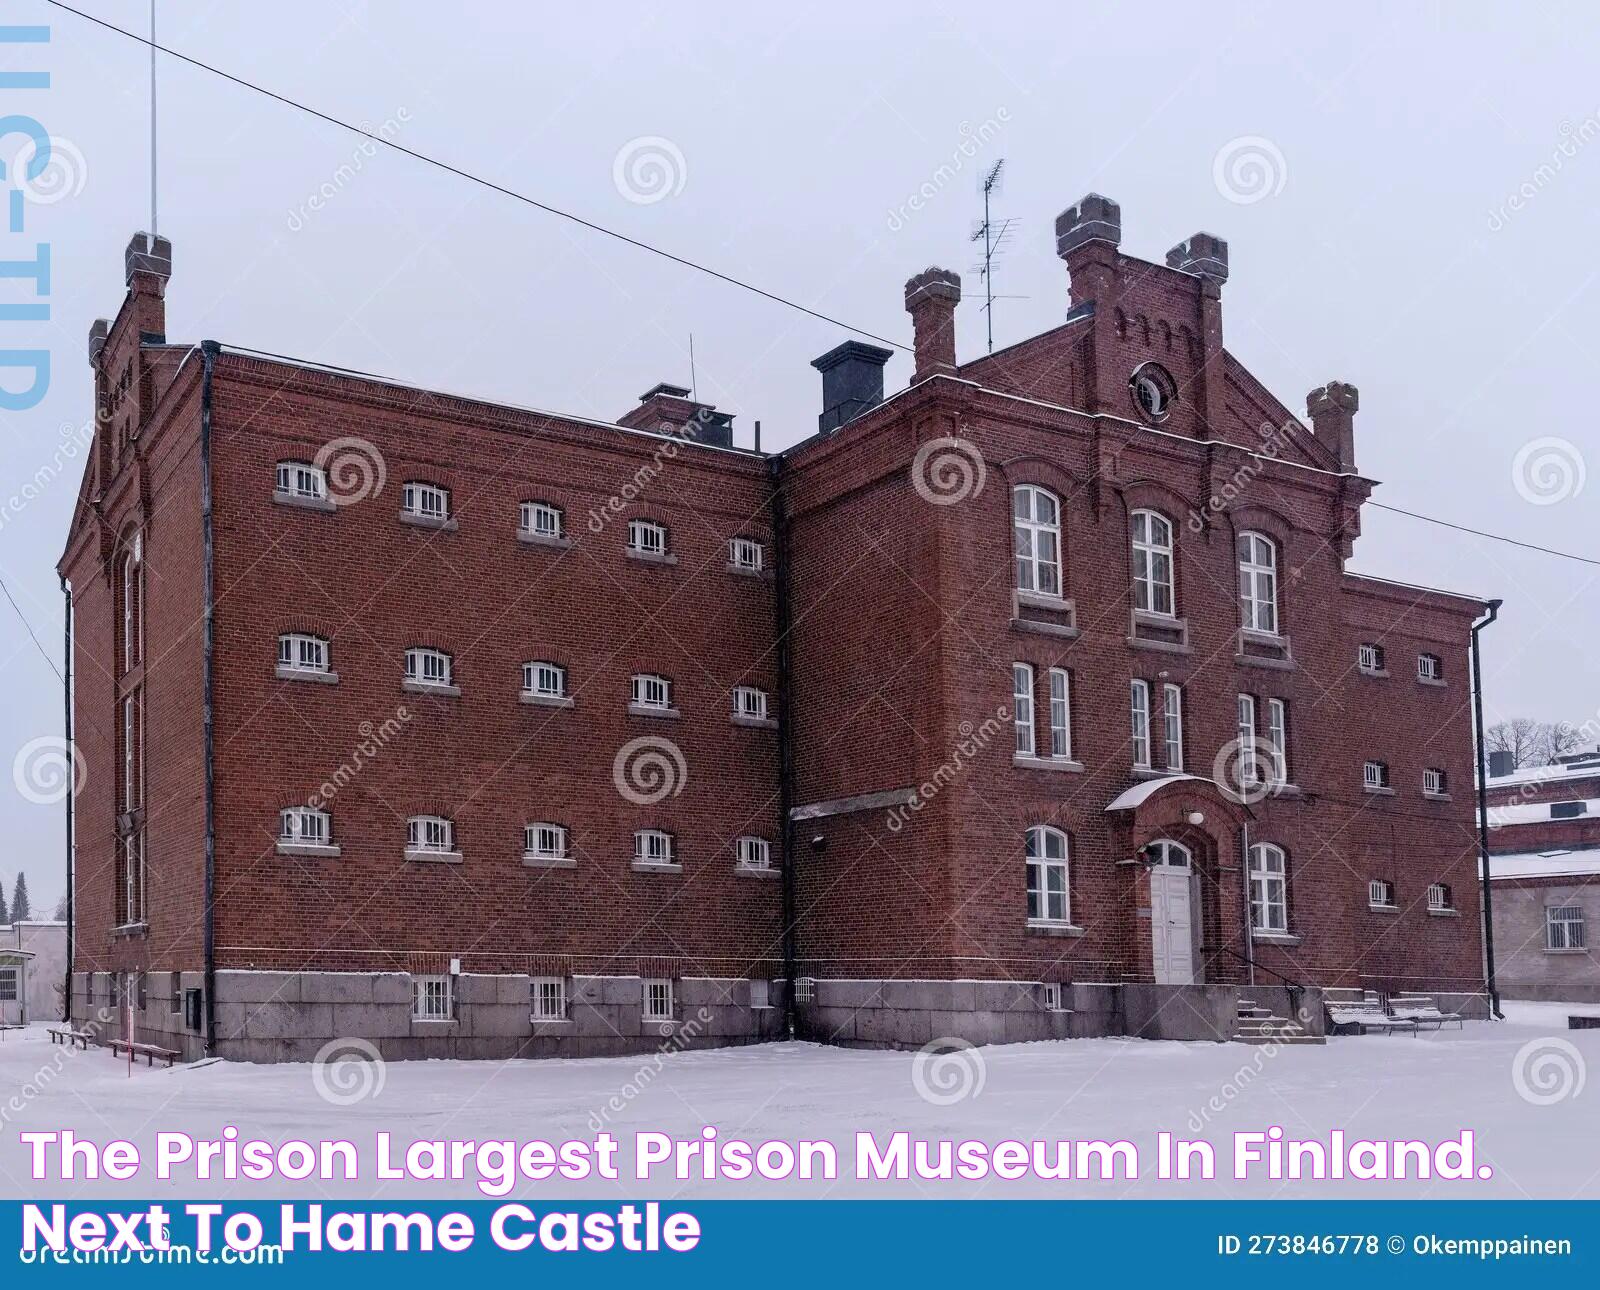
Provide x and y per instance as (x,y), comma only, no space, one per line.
(71,1038)
(1421,1010)
(1361,1011)
(148,1051)
(9,1025)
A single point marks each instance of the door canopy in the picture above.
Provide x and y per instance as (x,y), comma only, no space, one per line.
(1176,806)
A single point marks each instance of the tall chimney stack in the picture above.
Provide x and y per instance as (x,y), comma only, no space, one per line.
(852,382)
(931,299)
(1332,410)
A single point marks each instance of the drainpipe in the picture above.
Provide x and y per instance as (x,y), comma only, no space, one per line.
(786,847)
(209,350)
(1249,928)
(72,779)
(1483,814)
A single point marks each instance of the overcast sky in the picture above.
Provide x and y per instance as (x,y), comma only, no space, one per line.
(1409,192)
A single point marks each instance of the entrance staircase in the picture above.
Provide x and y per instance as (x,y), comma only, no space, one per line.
(1258,1025)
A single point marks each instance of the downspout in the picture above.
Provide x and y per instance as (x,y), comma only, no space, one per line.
(786,848)
(1249,927)
(209,350)
(1483,815)
(72,779)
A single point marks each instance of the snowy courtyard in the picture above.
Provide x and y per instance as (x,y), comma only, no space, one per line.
(1519,1085)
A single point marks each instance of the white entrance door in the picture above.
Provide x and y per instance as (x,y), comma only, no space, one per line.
(1171,917)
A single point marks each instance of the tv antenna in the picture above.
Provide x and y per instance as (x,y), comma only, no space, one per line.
(994,238)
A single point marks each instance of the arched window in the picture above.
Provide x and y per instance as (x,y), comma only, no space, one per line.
(1258,582)
(1269,888)
(131,591)
(1048,902)
(1152,564)
(1036,529)
(430,835)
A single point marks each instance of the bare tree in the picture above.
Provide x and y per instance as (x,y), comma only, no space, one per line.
(1533,743)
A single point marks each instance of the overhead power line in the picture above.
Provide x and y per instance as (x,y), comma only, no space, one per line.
(1493,537)
(486,183)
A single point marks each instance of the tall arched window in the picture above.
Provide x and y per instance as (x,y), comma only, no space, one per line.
(1269,888)
(1152,564)
(1048,901)
(131,592)
(1258,582)
(1036,530)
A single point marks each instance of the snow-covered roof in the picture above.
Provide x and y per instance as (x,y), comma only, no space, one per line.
(1545,864)
(1539,812)
(1546,774)
(1141,792)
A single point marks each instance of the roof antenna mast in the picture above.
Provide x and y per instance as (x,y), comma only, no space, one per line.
(154,210)
(993,239)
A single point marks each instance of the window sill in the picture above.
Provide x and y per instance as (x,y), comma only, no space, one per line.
(549,862)
(131,931)
(311,850)
(1053,929)
(1376,673)
(1153,772)
(445,524)
(440,1022)
(649,557)
(1274,938)
(661,714)
(435,857)
(1436,797)
(1043,600)
(306,674)
(431,687)
(645,866)
(1579,950)
(1062,630)
(548,700)
(1383,909)
(1377,792)
(1437,684)
(544,540)
(1283,664)
(754,723)
(1159,646)
(305,503)
(750,871)
(1064,764)
(548,1022)
(760,575)
(1444,913)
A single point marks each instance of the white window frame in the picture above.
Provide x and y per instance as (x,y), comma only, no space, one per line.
(750,703)
(1258,582)
(542,520)
(134,880)
(647,537)
(1049,877)
(431,835)
(760,993)
(753,853)
(1269,889)
(544,679)
(1172,725)
(426,501)
(1434,781)
(10,984)
(133,749)
(651,690)
(1369,656)
(428,666)
(747,554)
(1564,928)
(547,998)
(305,826)
(1375,774)
(1053,996)
(654,848)
(1381,894)
(301,479)
(1277,742)
(657,998)
(1154,559)
(1022,708)
(1249,764)
(433,997)
(133,604)
(542,840)
(1439,898)
(1036,540)
(1139,712)
(295,648)
(1060,714)
(1430,667)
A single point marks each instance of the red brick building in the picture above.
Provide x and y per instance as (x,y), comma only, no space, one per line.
(1032,700)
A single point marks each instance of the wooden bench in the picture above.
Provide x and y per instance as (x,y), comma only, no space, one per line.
(9,1025)
(1362,1011)
(148,1051)
(1421,1010)
(71,1038)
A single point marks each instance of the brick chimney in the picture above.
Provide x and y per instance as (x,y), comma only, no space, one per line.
(1332,410)
(1205,255)
(931,299)
(668,409)
(852,382)
(148,267)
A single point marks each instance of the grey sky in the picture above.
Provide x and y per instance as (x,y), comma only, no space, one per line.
(1382,249)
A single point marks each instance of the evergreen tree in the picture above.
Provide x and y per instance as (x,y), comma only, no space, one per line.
(5,915)
(61,910)
(20,909)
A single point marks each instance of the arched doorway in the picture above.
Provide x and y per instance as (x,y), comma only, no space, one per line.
(1172,912)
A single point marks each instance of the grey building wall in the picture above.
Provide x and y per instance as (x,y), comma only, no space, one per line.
(1524,967)
(43,973)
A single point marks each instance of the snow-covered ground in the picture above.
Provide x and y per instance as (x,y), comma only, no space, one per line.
(1521,1085)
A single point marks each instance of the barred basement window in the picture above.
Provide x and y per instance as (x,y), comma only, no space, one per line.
(653,847)
(430,833)
(433,998)
(1139,703)
(1052,996)
(749,702)
(761,994)
(428,666)
(548,997)
(541,520)
(1429,668)
(747,554)
(545,680)
(302,653)
(304,826)
(8,984)
(1433,781)
(1046,855)
(754,853)
(1563,927)
(301,479)
(544,842)
(657,999)
(427,501)
(1375,774)
(1439,896)
(647,537)
(651,691)
(1369,657)
(1381,894)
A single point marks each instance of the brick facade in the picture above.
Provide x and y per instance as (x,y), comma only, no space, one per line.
(896,678)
